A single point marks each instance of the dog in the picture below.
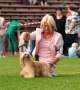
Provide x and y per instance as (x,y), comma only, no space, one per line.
(32,68)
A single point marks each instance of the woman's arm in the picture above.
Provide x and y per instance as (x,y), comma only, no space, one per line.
(59,49)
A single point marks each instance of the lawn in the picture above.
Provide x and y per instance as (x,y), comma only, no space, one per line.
(68,76)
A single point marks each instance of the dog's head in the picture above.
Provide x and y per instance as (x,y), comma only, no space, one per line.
(24,55)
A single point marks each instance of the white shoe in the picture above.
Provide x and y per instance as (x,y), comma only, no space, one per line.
(53,73)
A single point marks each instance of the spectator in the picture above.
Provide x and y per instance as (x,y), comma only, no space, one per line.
(78,27)
(49,43)
(60,20)
(72,52)
(71,27)
(12,29)
(2,37)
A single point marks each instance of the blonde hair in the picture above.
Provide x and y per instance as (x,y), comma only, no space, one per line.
(49,20)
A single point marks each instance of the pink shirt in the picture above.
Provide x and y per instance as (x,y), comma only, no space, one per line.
(50,48)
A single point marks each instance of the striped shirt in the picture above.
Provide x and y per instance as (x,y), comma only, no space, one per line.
(49,48)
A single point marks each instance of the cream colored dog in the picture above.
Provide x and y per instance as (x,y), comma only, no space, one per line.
(33,68)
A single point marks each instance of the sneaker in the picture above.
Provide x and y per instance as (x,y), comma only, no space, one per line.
(53,71)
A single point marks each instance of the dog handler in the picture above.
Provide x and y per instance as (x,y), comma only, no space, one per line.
(49,43)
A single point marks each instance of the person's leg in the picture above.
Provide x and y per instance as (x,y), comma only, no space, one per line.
(67,44)
(9,36)
(11,47)
(6,45)
(14,42)
(3,45)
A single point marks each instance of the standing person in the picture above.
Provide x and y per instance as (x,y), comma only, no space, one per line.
(71,27)
(2,37)
(49,43)
(60,20)
(13,27)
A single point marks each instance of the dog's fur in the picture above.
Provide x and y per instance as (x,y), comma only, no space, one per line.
(33,68)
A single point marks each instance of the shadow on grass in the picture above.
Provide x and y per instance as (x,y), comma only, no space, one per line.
(68,75)
(57,76)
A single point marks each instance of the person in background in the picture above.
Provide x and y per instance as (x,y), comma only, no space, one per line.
(60,20)
(2,37)
(72,51)
(71,27)
(11,34)
(48,42)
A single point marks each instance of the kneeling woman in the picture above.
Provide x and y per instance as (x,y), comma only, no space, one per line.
(49,43)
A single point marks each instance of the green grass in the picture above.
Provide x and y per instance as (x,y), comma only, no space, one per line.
(68,76)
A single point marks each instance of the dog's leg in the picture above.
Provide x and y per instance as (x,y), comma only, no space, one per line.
(22,51)
(27,72)
(29,75)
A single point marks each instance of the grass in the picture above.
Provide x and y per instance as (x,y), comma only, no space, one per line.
(68,76)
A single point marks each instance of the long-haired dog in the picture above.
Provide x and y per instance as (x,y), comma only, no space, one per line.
(32,68)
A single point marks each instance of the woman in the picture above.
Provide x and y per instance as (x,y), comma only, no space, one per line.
(71,27)
(49,43)
(60,20)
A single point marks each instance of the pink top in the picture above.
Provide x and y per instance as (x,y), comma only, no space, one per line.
(49,48)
